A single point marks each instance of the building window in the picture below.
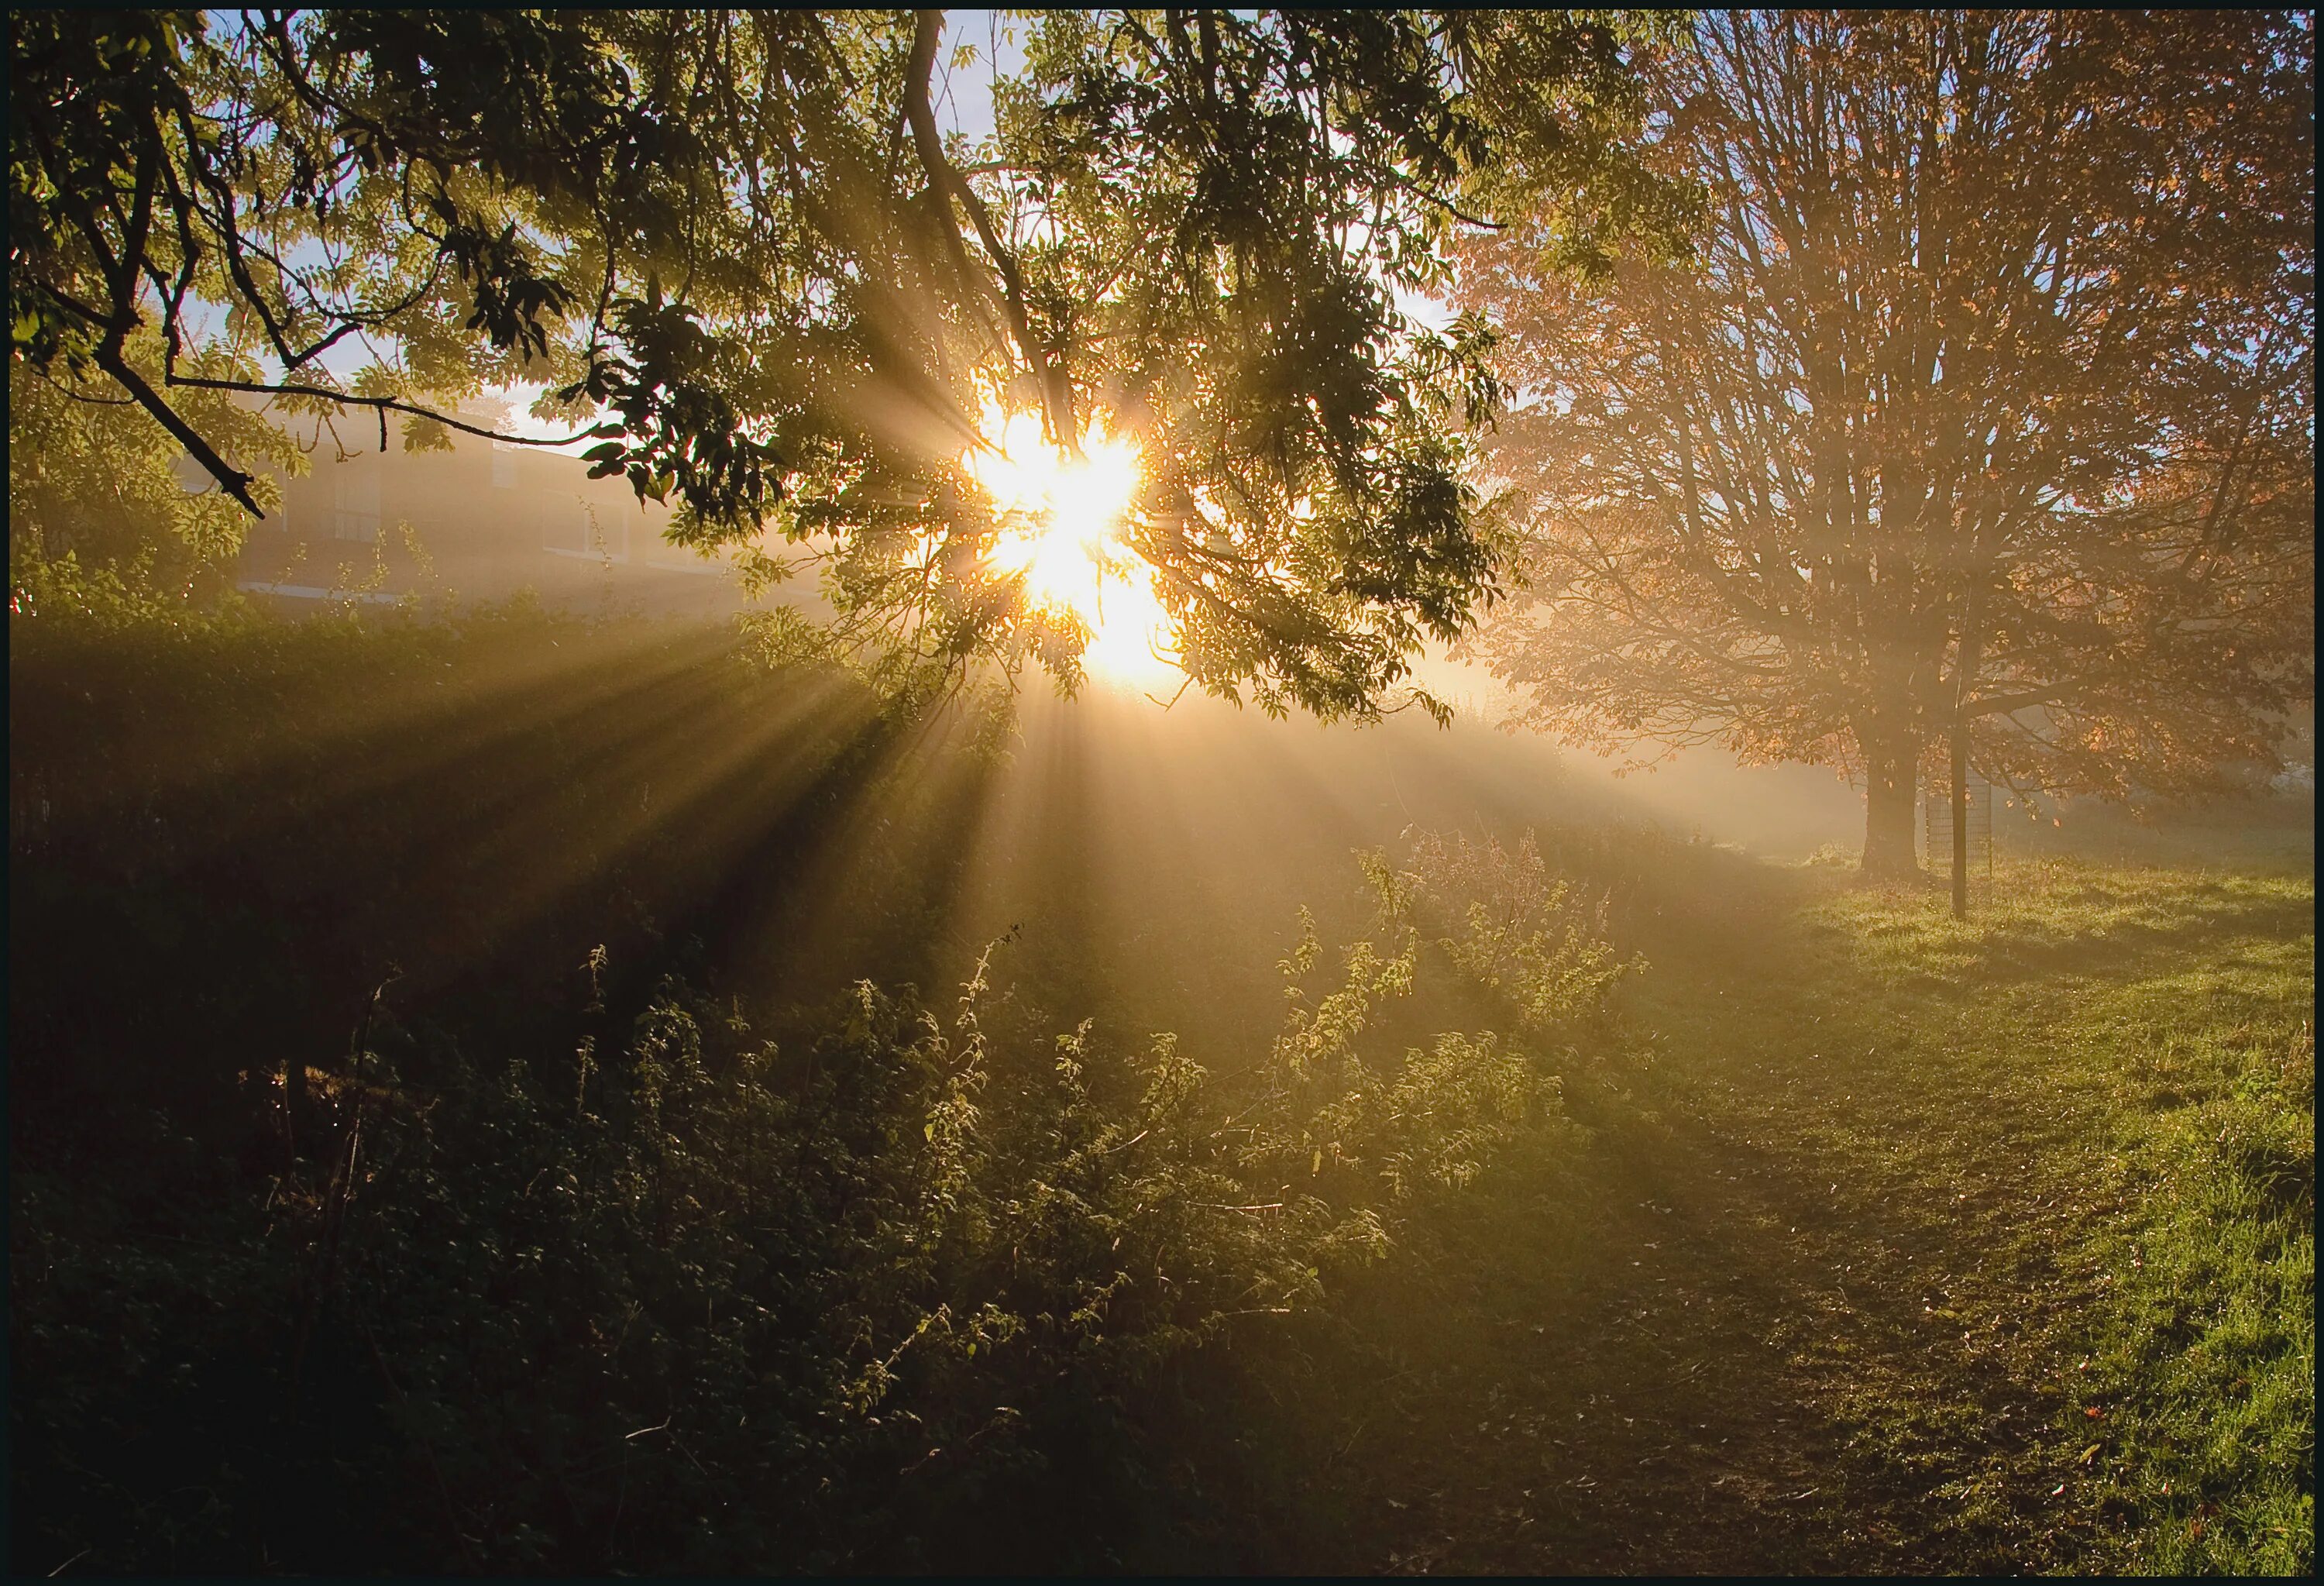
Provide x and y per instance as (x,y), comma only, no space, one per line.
(570,526)
(355,503)
(504,465)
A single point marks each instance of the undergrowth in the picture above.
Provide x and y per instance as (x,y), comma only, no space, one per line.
(398,1177)
(630,1283)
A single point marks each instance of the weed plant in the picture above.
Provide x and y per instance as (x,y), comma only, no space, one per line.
(510,1283)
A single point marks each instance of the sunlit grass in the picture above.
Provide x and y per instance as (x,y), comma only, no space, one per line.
(2086,1115)
(1893,1244)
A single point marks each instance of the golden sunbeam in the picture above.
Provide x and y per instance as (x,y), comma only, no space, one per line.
(1062,518)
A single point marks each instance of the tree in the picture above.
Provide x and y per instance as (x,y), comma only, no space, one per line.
(1982,416)
(100,515)
(751,269)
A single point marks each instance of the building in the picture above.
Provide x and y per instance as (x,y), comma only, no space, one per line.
(480,523)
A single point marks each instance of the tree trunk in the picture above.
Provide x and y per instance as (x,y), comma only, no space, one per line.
(1964,683)
(1889,776)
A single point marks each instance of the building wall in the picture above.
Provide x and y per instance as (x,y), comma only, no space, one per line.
(478,523)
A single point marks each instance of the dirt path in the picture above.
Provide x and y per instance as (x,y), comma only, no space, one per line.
(1807,1321)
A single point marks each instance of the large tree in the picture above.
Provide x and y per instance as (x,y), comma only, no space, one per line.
(1982,415)
(752,268)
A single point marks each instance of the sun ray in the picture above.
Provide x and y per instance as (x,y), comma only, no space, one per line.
(1062,517)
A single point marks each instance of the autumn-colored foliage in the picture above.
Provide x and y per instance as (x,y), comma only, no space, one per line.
(1986,401)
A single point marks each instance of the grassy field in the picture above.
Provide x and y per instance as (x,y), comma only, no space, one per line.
(1897,1244)
(1843,1238)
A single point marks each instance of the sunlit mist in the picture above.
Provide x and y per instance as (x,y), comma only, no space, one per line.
(1063,518)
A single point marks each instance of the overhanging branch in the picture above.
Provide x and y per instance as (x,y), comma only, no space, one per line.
(231,479)
(391,405)
(947,182)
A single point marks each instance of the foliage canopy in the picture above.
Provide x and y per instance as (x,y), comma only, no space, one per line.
(1988,400)
(748,267)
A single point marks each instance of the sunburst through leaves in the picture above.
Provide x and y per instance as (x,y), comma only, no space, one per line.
(1063,518)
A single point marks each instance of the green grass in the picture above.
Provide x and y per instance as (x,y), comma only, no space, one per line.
(1863,1239)
(2115,1068)
(1902,1243)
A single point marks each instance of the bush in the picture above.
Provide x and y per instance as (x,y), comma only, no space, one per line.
(678,1297)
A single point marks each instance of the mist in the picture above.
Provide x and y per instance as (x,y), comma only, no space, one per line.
(1524,793)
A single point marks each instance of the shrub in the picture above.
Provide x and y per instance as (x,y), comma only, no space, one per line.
(535,1280)
(681,1298)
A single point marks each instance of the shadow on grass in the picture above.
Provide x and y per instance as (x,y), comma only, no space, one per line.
(1680,1379)
(1810,1298)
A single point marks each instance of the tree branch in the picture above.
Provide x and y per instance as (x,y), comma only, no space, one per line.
(232,480)
(946,179)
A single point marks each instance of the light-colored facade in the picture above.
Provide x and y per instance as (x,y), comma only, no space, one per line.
(480,524)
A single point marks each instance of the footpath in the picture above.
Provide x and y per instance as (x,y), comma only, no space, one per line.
(1820,1291)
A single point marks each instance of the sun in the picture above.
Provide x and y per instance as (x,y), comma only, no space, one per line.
(1063,517)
